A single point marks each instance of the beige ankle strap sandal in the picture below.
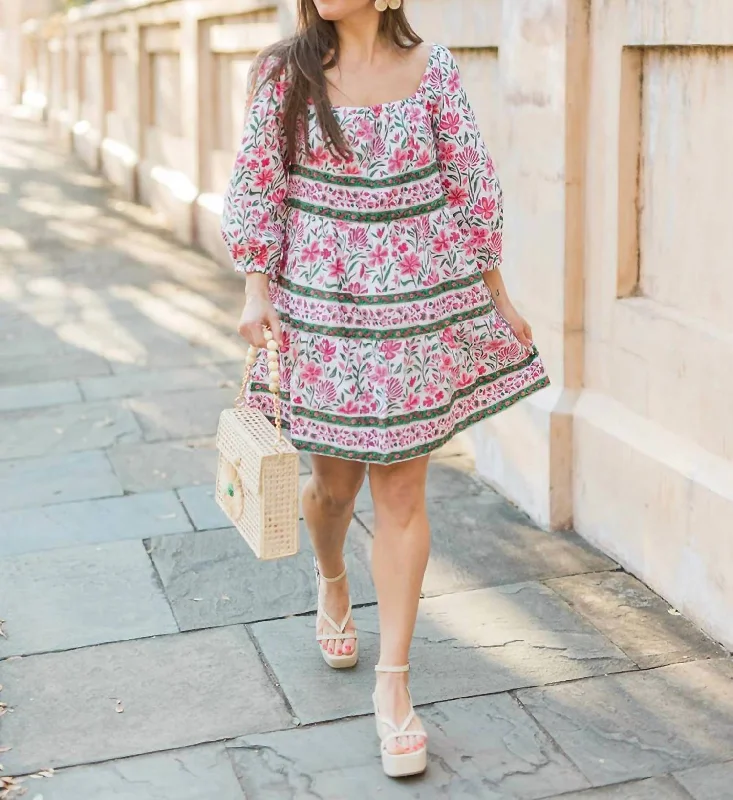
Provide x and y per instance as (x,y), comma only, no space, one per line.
(399,765)
(345,660)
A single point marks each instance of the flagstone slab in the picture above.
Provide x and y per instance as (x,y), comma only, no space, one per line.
(213,578)
(37,395)
(641,724)
(649,789)
(711,782)
(195,773)
(180,415)
(155,466)
(65,429)
(112,519)
(29,482)
(129,698)
(636,619)
(153,381)
(79,596)
(465,644)
(45,367)
(485,748)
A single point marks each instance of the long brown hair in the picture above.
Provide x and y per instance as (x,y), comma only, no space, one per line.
(305,58)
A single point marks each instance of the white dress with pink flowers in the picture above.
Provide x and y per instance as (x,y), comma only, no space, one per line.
(391,341)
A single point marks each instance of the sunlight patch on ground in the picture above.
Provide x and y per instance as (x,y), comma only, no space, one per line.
(12,240)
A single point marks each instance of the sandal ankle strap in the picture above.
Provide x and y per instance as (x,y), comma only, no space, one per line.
(322,577)
(403,668)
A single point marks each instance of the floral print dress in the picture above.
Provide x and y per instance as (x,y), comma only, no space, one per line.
(391,341)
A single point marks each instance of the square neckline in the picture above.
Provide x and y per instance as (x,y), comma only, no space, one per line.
(414,96)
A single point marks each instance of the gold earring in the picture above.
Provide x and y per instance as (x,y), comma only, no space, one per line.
(381,5)
(394,4)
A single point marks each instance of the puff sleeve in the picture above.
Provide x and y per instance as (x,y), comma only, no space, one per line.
(469,181)
(253,220)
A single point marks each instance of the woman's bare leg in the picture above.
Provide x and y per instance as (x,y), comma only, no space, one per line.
(328,506)
(400,557)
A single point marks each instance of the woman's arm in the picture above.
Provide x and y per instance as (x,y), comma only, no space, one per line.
(495,284)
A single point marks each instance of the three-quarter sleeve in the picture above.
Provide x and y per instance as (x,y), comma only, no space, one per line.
(253,220)
(469,181)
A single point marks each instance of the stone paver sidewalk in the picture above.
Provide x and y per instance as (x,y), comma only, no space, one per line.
(149,657)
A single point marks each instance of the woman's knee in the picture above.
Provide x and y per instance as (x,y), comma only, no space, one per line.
(336,490)
(398,492)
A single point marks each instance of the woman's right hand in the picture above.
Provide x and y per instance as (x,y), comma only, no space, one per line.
(258,313)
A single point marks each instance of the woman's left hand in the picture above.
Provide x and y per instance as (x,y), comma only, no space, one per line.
(519,326)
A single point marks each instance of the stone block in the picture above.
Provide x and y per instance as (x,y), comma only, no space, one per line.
(155,466)
(156,381)
(195,773)
(201,507)
(81,596)
(466,644)
(65,429)
(635,619)
(180,415)
(711,782)
(91,522)
(37,395)
(480,540)
(485,748)
(642,724)
(130,698)
(212,578)
(45,367)
(31,482)
(649,789)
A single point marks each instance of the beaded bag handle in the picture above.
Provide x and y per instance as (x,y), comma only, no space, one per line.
(273,363)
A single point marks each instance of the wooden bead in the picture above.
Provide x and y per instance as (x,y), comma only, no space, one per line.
(274,374)
(251,359)
(267,333)
(272,345)
(252,350)
(274,387)
(273,357)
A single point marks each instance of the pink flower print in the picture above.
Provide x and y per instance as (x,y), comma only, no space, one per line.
(463,380)
(264,178)
(448,336)
(390,349)
(394,389)
(397,160)
(378,256)
(446,152)
(478,238)
(457,197)
(326,392)
(356,288)
(453,84)
(431,389)
(511,352)
(379,148)
(278,196)
(365,130)
(352,168)
(433,279)
(439,397)
(467,158)
(349,408)
(495,242)
(358,237)
(311,373)
(403,248)
(327,350)
(238,251)
(379,374)
(260,257)
(337,268)
(423,159)
(428,402)
(485,208)
(450,123)
(310,252)
(412,402)
(318,156)
(441,243)
(410,265)
(281,87)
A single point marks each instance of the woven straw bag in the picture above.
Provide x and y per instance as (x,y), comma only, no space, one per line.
(257,477)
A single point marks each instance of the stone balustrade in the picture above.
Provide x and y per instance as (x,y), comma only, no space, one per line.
(610,124)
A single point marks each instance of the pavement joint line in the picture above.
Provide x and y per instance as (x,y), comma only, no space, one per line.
(146,546)
(272,677)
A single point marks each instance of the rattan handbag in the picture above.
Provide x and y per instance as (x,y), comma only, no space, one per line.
(257,477)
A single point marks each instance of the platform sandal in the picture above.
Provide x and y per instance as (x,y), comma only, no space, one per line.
(399,765)
(345,660)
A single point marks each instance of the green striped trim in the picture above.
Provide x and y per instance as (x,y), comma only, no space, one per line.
(368,216)
(381,299)
(425,449)
(382,334)
(365,183)
(414,416)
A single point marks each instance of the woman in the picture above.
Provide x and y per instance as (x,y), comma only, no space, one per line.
(365,211)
